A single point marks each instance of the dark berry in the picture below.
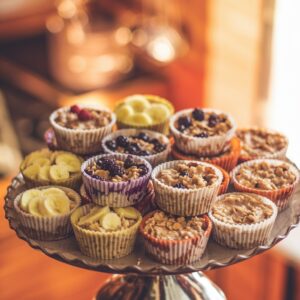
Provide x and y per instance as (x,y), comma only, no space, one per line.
(75,109)
(143,136)
(116,170)
(159,148)
(105,163)
(112,145)
(155,141)
(144,153)
(179,186)
(198,114)
(181,128)
(184,173)
(84,115)
(184,122)
(122,141)
(129,162)
(133,148)
(143,169)
(213,120)
(202,135)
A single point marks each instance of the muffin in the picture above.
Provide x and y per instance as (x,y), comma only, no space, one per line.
(227,160)
(242,220)
(105,233)
(81,129)
(144,112)
(45,167)
(175,240)
(153,146)
(116,180)
(44,212)
(261,143)
(186,188)
(202,132)
(274,179)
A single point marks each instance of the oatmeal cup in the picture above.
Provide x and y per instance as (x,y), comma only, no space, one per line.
(80,130)
(44,212)
(153,146)
(274,179)
(105,233)
(186,188)
(144,112)
(116,180)
(175,240)
(261,143)
(242,220)
(227,160)
(202,132)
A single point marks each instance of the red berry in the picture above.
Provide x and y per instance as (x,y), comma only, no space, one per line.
(84,115)
(75,109)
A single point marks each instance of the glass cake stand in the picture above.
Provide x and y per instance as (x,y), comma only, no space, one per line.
(144,278)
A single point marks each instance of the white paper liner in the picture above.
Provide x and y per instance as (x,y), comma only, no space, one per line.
(213,145)
(184,251)
(46,228)
(116,194)
(107,245)
(153,159)
(80,141)
(280,197)
(185,202)
(243,236)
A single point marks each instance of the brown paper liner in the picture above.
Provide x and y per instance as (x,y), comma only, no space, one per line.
(183,251)
(226,161)
(225,181)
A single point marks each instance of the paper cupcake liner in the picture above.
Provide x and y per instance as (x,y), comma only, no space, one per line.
(184,251)
(116,194)
(162,127)
(184,202)
(154,159)
(225,182)
(108,245)
(227,161)
(210,146)
(80,141)
(280,196)
(243,236)
(46,228)
(281,154)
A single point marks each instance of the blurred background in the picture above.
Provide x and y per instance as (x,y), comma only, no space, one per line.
(238,56)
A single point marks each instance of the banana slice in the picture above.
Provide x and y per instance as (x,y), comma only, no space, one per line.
(28,196)
(124,112)
(139,103)
(140,119)
(70,161)
(53,191)
(55,204)
(32,171)
(127,212)
(110,221)
(32,157)
(59,172)
(94,215)
(158,112)
(44,173)
(33,207)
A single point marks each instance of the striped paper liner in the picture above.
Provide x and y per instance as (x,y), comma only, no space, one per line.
(185,202)
(209,146)
(185,251)
(243,236)
(46,228)
(80,141)
(280,196)
(116,194)
(103,245)
(153,159)
(225,181)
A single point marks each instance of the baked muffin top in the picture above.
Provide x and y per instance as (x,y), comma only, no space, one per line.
(239,208)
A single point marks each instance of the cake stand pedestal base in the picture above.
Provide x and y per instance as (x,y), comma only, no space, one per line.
(163,287)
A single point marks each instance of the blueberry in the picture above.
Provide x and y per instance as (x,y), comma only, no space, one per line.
(159,148)
(122,141)
(111,145)
(143,169)
(116,170)
(143,136)
(213,120)
(144,153)
(184,122)
(198,114)
(181,128)
(129,162)
(184,173)
(133,148)
(105,163)
(202,135)
(179,186)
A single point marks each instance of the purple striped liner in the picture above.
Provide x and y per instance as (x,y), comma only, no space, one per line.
(154,159)
(46,228)
(243,236)
(209,146)
(80,141)
(103,245)
(185,202)
(116,194)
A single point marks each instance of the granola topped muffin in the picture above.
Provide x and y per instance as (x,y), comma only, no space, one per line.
(202,132)
(261,143)
(175,240)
